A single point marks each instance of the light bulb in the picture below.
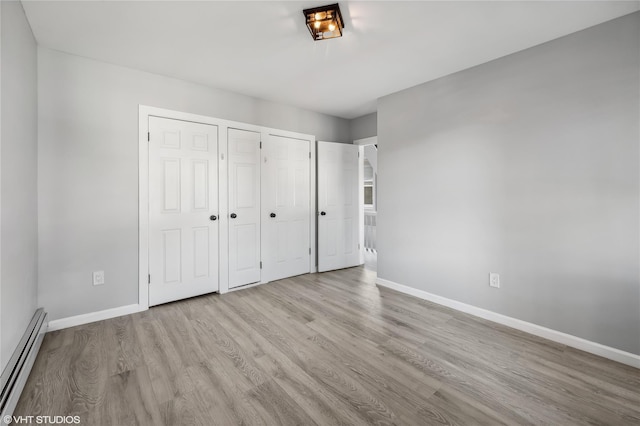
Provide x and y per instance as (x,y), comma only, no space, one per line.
(332,27)
(317,24)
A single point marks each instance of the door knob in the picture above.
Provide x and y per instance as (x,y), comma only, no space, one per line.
(233,215)
(272,215)
(323,213)
(213,217)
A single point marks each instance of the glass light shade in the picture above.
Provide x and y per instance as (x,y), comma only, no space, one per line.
(324,22)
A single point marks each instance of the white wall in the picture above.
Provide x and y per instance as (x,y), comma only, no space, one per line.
(18,169)
(527,166)
(364,127)
(88,169)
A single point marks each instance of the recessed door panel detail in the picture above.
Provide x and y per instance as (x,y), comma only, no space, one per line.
(172,255)
(244,207)
(245,236)
(201,252)
(183,195)
(300,188)
(286,197)
(171,139)
(331,237)
(347,235)
(282,239)
(171,185)
(350,196)
(332,179)
(245,185)
(298,247)
(200,142)
(282,183)
(200,185)
(338,219)
(244,146)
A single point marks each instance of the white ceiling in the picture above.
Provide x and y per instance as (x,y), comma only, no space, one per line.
(263,49)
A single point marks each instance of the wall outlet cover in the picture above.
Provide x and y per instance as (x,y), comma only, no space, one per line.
(98,278)
(494,279)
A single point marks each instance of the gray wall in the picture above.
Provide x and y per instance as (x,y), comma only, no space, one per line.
(18,236)
(526,166)
(88,169)
(364,127)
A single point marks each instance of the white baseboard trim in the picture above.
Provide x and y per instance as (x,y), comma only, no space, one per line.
(537,330)
(61,323)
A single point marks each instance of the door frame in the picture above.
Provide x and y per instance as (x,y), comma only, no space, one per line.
(373,140)
(144,112)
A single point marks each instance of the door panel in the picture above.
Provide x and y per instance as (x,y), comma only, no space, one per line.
(338,227)
(244,204)
(183,194)
(200,184)
(172,259)
(286,193)
(201,252)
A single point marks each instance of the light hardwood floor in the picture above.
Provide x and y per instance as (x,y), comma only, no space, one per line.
(327,349)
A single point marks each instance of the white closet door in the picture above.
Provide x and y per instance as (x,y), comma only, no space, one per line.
(338,206)
(183,209)
(286,204)
(244,207)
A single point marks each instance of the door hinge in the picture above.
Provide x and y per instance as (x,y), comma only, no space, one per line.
(309,250)
(358,155)
(149,278)
(260,264)
(260,144)
(148,136)
(309,154)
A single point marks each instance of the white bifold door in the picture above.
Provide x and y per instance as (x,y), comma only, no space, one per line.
(183,209)
(338,206)
(244,207)
(286,207)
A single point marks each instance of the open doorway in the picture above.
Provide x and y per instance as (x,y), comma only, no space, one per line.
(369,210)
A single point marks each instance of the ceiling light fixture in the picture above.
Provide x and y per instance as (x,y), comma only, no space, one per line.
(324,22)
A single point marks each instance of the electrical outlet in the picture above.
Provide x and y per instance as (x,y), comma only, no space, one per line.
(494,279)
(98,278)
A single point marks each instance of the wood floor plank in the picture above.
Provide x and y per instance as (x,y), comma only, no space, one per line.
(222,403)
(129,400)
(455,408)
(326,349)
(531,390)
(278,405)
(336,340)
(126,354)
(323,370)
(322,405)
(167,370)
(88,375)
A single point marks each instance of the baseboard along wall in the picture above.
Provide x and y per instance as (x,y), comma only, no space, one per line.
(537,330)
(73,321)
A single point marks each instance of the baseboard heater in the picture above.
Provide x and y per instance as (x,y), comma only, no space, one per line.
(16,373)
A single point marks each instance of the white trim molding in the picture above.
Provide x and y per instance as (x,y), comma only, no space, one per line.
(537,330)
(61,323)
(373,140)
